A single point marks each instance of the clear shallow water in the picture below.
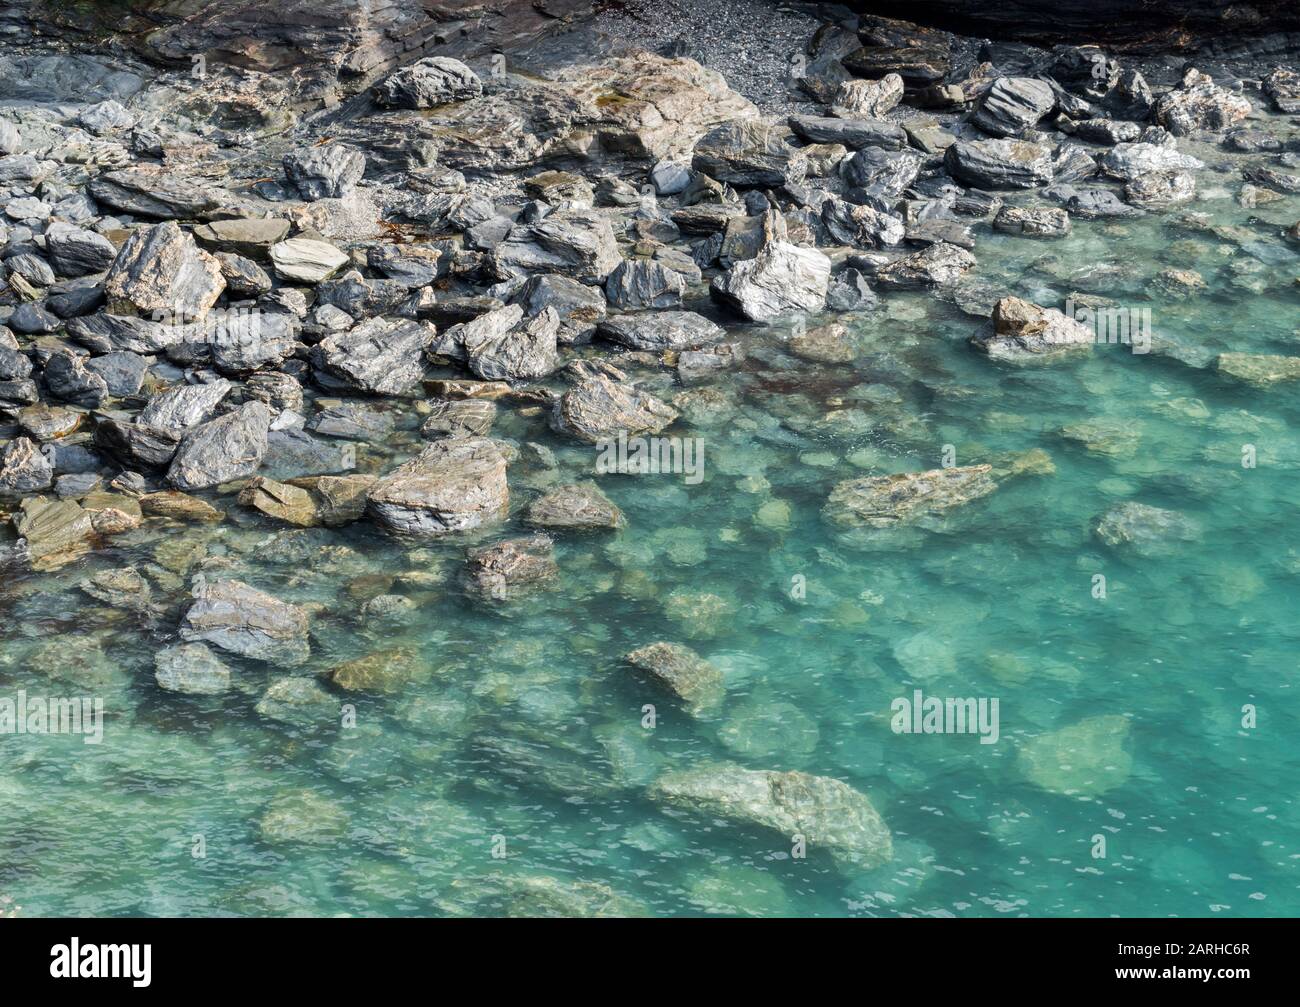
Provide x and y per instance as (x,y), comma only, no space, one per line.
(527,727)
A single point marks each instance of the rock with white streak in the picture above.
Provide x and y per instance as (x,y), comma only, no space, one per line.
(161,271)
(782,279)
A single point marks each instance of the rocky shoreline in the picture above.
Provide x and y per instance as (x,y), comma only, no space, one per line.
(234,286)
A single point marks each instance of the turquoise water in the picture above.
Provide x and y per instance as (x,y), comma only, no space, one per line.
(524,732)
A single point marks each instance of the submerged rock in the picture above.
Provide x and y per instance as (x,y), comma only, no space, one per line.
(1260,369)
(1145,529)
(238,618)
(683,672)
(384,671)
(888,501)
(507,570)
(192,669)
(1082,760)
(936,265)
(576,507)
(828,814)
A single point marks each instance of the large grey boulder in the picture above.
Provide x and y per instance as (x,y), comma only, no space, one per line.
(428,83)
(579,307)
(221,450)
(854,133)
(1012,105)
(828,814)
(378,356)
(661,330)
(525,351)
(782,279)
(184,406)
(329,171)
(907,497)
(240,619)
(748,152)
(576,243)
(453,485)
(999,164)
(24,469)
(76,251)
(154,193)
(936,265)
(644,283)
(1200,104)
(160,270)
(597,407)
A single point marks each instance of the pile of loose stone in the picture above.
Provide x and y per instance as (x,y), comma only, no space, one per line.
(198,317)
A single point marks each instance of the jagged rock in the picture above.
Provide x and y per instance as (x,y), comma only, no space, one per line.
(377,356)
(1259,369)
(1160,189)
(328,171)
(749,152)
(999,164)
(1200,104)
(1095,204)
(135,444)
(106,117)
(782,279)
(683,672)
(936,265)
(1022,331)
(578,306)
(243,276)
(160,270)
(872,98)
(1013,105)
(290,504)
(1270,178)
(154,193)
(850,132)
(860,225)
(882,174)
(1283,86)
(123,372)
(643,283)
(68,379)
(177,409)
(661,330)
(191,669)
(24,468)
(574,507)
(1144,529)
(825,812)
(597,408)
(243,341)
(889,501)
(1128,161)
(526,351)
(240,619)
(428,83)
(1130,97)
(227,448)
(106,333)
(576,243)
(745,236)
(1046,222)
(75,251)
(510,569)
(307,259)
(1106,131)
(412,266)
(452,485)
(54,532)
